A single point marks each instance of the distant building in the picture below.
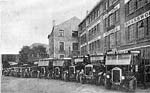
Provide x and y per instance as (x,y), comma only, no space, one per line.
(9,59)
(63,40)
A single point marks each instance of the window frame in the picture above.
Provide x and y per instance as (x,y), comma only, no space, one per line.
(61,33)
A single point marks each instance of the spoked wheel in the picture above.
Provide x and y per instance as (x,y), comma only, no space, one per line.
(81,80)
(65,76)
(77,78)
(99,81)
(107,84)
(132,85)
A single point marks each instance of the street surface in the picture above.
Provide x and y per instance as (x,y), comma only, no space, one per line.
(34,85)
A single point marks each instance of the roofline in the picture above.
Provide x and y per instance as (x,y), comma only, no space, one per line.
(91,11)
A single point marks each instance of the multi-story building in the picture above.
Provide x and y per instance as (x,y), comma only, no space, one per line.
(137,27)
(100,30)
(63,40)
(116,25)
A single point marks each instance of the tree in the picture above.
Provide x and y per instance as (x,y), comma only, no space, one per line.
(28,55)
(24,54)
(39,51)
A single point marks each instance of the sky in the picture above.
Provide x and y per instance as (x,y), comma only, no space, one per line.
(24,22)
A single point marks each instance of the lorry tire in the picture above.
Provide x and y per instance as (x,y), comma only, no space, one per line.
(107,84)
(77,78)
(99,81)
(132,84)
(81,80)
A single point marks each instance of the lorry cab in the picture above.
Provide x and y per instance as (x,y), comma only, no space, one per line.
(93,72)
(61,67)
(43,67)
(122,69)
(79,63)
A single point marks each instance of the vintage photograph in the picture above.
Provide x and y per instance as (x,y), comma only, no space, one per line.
(75,46)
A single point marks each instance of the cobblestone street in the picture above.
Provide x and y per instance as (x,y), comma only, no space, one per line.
(34,85)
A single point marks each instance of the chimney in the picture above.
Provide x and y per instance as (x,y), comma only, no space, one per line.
(53,23)
(87,12)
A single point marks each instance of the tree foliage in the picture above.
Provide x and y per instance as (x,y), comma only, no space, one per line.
(24,54)
(28,54)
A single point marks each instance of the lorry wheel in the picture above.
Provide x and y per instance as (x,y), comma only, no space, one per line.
(65,78)
(99,81)
(81,80)
(107,84)
(77,78)
(132,85)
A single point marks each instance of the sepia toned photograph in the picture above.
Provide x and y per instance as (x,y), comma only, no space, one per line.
(75,46)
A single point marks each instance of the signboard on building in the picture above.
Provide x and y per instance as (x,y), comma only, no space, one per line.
(138,18)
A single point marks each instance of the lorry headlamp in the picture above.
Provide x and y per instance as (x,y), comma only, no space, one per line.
(93,70)
(123,77)
(107,76)
(100,73)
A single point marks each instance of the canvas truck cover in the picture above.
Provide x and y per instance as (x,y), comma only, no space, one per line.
(118,59)
(78,60)
(95,58)
(58,63)
(43,63)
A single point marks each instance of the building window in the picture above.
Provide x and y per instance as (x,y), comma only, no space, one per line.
(106,22)
(98,27)
(147,1)
(111,20)
(61,33)
(61,46)
(61,56)
(140,29)
(83,39)
(117,15)
(83,50)
(148,24)
(131,32)
(95,46)
(75,46)
(74,33)
(95,30)
(118,37)
(140,3)
(107,42)
(106,5)
(112,40)
(131,6)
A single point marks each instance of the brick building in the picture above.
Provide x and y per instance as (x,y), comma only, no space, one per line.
(137,27)
(63,40)
(100,30)
(116,25)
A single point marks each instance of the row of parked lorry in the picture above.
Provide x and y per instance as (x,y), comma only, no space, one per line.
(119,70)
